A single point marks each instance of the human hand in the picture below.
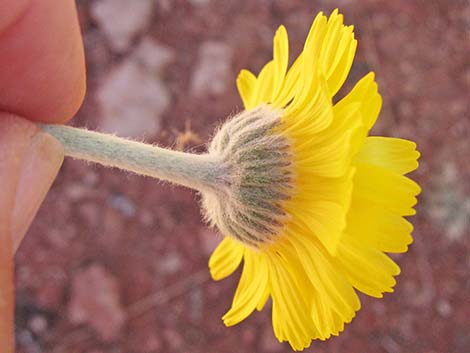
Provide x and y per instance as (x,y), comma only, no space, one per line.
(42,78)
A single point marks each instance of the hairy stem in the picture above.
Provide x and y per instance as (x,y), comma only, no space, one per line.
(196,171)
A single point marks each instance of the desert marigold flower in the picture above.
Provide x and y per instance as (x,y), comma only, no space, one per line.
(304,196)
(311,203)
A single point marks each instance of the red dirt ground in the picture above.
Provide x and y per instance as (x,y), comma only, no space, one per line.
(116,263)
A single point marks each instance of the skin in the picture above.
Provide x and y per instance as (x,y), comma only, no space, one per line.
(42,79)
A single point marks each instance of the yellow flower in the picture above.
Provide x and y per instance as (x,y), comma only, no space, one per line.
(343,198)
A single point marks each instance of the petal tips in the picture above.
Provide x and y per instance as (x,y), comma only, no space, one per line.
(225,259)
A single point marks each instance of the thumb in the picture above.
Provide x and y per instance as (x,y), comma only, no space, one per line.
(30,160)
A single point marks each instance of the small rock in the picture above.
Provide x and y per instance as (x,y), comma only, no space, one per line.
(444,308)
(38,324)
(211,75)
(77,191)
(122,20)
(155,57)
(95,301)
(124,205)
(170,263)
(131,100)
(26,342)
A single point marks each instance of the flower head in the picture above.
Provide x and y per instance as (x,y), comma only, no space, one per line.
(311,203)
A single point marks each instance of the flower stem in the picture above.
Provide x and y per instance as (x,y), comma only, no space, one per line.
(196,171)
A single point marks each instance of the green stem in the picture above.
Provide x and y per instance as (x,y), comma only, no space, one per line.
(196,171)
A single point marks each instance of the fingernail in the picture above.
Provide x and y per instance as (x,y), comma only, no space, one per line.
(41,162)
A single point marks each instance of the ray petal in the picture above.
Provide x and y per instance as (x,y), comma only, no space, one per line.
(397,155)
(367,269)
(376,186)
(251,288)
(290,311)
(280,59)
(226,258)
(246,82)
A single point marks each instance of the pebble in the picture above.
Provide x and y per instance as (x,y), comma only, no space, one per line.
(153,55)
(95,300)
(123,204)
(212,73)
(444,308)
(170,263)
(122,20)
(132,100)
(38,324)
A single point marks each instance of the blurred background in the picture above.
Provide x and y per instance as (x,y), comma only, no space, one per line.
(117,263)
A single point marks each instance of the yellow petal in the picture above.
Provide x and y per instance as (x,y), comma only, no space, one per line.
(397,155)
(280,59)
(346,117)
(331,47)
(334,294)
(313,43)
(264,299)
(367,269)
(225,258)
(290,312)
(327,189)
(250,290)
(246,82)
(323,219)
(290,85)
(376,186)
(365,92)
(338,53)
(343,61)
(379,228)
(263,90)
(329,159)
(311,110)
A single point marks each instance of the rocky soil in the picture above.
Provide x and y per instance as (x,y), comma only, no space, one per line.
(116,263)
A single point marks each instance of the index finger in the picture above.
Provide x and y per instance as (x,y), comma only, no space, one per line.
(42,66)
